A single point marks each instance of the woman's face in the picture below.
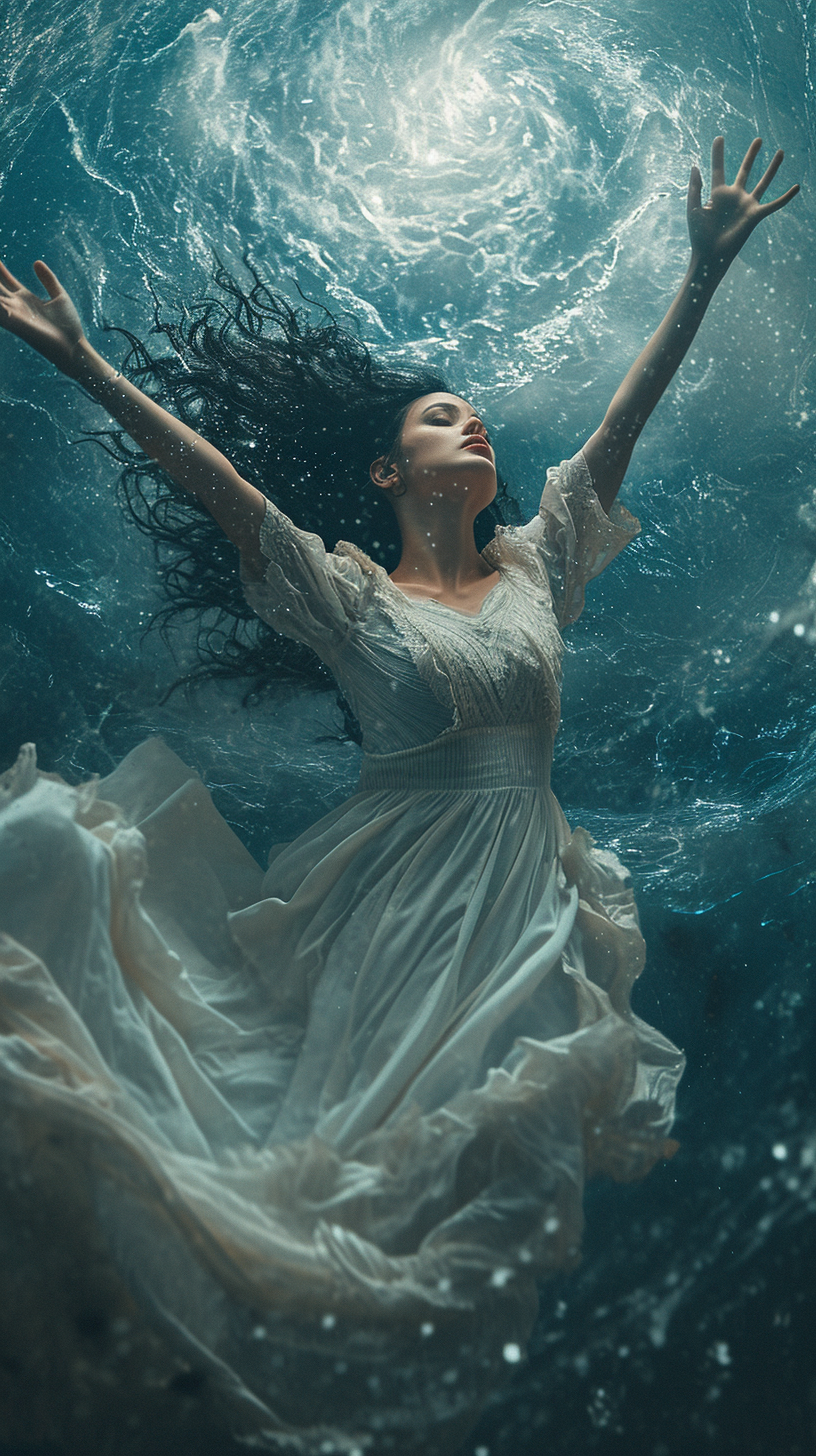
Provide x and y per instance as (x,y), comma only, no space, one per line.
(444,451)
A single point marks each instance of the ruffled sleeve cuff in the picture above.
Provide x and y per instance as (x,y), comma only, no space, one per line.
(306,592)
(572,536)
(577,538)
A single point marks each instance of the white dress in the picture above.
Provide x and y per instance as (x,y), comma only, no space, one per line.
(331,1121)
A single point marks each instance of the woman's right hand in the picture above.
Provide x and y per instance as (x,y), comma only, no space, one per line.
(50,325)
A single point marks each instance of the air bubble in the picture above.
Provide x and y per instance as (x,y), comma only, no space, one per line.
(500,1277)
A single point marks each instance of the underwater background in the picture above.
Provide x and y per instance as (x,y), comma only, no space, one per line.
(498,189)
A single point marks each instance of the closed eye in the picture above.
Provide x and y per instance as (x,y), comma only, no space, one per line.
(443,418)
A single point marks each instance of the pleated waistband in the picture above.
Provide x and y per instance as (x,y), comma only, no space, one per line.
(469,758)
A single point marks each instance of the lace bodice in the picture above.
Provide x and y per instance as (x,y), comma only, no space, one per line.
(415,669)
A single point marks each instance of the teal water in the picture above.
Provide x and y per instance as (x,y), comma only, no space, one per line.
(497,189)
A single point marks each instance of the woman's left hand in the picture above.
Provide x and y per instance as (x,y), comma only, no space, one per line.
(719,229)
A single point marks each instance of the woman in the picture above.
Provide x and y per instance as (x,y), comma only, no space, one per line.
(333,1120)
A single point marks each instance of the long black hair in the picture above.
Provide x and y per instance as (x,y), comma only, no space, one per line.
(301,409)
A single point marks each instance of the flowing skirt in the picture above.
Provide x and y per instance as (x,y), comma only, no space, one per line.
(317,1130)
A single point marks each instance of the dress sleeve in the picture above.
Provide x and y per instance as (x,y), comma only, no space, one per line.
(573,537)
(306,592)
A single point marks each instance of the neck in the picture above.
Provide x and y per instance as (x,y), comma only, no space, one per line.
(438,548)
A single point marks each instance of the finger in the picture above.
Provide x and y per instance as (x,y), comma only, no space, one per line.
(748,162)
(717,162)
(8,278)
(764,183)
(769,207)
(694,195)
(49,280)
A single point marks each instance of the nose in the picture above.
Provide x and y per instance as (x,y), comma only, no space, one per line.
(474,426)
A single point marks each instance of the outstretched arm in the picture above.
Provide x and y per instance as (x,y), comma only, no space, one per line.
(52,326)
(717,232)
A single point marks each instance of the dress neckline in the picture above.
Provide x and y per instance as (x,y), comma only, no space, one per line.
(432,601)
(348,548)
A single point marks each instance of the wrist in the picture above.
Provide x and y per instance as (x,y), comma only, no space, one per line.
(706,273)
(86,367)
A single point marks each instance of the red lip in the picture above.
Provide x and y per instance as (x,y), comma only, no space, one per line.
(480,445)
